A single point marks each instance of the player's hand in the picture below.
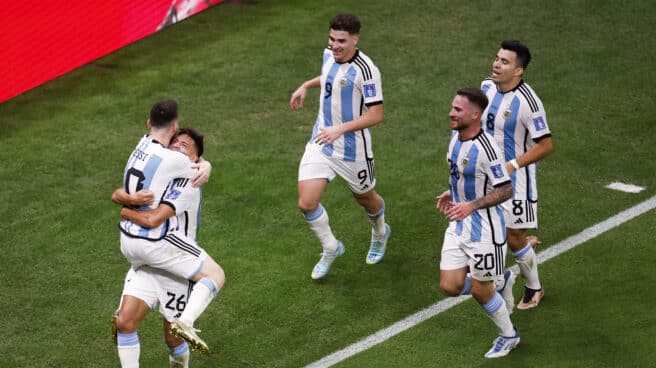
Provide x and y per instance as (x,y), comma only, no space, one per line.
(203,175)
(124,213)
(298,98)
(510,168)
(144,197)
(328,135)
(459,211)
(444,202)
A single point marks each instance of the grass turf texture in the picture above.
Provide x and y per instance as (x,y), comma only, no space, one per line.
(232,69)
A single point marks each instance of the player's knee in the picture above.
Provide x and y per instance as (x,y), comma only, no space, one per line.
(219,277)
(450,288)
(516,239)
(370,200)
(126,324)
(306,206)
(214,272)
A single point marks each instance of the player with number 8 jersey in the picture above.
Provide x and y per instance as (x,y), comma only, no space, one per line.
(516,119)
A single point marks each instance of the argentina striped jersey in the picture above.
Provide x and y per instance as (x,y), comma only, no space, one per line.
(516,119)
(152,166)
(185,200)
(346,91)
(476,167)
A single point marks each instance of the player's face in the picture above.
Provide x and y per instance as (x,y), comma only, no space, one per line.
(183,143)
(342,44)
(504,67)
(462,114)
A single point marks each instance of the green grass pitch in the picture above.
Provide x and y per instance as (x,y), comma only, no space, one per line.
(232,70)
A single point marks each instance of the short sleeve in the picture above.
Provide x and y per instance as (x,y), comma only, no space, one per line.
(536,121)
(372,88)
(496,169)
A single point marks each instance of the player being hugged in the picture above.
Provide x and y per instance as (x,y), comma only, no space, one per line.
(163,246)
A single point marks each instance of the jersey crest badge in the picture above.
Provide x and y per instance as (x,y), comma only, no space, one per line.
(465,162)
(369,90)
(506,114)
(539,123)
(496,171)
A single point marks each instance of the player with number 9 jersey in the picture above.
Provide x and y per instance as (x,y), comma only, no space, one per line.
(347,90)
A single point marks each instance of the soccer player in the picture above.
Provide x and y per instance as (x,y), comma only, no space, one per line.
(475,238)
(517,121)
(152,166)
(350,102)
(151,286)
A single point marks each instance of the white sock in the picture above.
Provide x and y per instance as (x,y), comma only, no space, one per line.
(498,313)
(202,294)
(527,261)
(128,349)
(378,221)
(318,220)
(179,356)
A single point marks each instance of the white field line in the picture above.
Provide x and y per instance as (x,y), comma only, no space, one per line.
(445,304)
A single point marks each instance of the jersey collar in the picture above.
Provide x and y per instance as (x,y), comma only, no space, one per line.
(349,61)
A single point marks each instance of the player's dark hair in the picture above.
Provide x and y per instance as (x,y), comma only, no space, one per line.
(523,54)
(196,136)
(163,113)
(346,22)
(475,96)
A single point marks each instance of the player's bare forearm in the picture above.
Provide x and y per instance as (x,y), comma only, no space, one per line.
(370,118)
(298,97)
(540,150)
(148,218)
(497,196)
(141,198)
(312,83)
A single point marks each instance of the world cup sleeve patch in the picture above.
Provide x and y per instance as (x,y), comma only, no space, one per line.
(497,172)
(369,90)
(539,123)
(173,194)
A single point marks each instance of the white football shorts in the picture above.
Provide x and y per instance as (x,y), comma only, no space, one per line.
(158,288)
(520,214)
(486,260)
(359,175)
(174,253)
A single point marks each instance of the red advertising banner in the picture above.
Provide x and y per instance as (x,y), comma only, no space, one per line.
(41,40)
